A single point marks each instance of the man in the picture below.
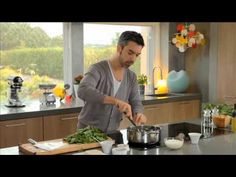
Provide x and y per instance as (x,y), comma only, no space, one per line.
(110,88)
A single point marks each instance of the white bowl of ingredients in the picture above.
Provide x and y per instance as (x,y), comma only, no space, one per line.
(121,149)
(173,143)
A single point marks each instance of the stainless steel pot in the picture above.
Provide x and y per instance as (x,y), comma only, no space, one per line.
(143,135)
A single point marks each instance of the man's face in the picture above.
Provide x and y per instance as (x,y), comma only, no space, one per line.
(129,53)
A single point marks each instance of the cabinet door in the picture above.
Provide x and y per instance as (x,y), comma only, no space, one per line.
(226,84)
(183,110)
(59,126)
(14,132)
(158,113)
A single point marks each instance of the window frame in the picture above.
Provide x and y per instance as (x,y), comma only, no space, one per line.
(73,48)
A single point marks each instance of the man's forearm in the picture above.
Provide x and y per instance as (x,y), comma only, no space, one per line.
(110,100)
(123,106)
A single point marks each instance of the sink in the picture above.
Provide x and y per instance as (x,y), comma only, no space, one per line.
(162,95)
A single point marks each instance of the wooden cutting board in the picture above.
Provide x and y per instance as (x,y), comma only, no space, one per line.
(29,149)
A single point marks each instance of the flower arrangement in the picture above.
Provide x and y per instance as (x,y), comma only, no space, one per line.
(78,78)
(186,37)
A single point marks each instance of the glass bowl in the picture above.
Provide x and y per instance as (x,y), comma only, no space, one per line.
(173,143)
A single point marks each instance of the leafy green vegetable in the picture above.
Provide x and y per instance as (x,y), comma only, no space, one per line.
(209,106)
(224,109)
(86,135)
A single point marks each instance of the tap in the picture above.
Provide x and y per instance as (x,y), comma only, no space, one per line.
(153,80)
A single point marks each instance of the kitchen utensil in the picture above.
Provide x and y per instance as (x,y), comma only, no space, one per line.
(143,136)
(129,119)
(46,145)
(32,141)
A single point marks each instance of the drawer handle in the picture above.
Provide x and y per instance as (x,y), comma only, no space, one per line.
(150,108)
(184,103)
(233,97)
(68,118)
(16,125)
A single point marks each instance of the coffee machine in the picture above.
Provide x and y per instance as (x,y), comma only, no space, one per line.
(15,83)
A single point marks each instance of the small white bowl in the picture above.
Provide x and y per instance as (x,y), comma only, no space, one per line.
(124,146)
(119,151)
(194,137)
(173,143)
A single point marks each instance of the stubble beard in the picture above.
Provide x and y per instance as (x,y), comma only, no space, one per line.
(126,64)
(123,64)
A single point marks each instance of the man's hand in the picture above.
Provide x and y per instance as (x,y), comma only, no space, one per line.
(121,105)
(124,108)
(140,118)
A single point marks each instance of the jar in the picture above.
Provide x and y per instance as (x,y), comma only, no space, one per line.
(233,124)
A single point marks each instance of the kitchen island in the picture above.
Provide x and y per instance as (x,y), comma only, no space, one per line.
(220,144)
(54,121)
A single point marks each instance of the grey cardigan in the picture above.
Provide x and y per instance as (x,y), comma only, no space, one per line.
(97,83)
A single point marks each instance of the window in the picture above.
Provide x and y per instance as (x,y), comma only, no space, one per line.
(33,51)
(100,42)
(56,52)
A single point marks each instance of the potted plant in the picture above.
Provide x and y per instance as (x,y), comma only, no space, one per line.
(77,80)
(142,81)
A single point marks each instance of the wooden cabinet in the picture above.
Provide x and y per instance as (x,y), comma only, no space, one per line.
(172,112)
(158,113)
(14,132)
(168,112)
(184,110)
(226,85)
(59,126)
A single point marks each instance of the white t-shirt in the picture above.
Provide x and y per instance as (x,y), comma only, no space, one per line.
(116,83)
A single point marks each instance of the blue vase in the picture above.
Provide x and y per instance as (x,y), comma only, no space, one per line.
(177,82)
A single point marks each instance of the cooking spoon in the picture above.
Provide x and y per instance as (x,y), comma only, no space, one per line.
(128,117)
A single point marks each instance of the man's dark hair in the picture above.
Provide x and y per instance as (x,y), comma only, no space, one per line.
(127,36)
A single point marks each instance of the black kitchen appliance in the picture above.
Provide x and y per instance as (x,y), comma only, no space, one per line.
(15,83)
